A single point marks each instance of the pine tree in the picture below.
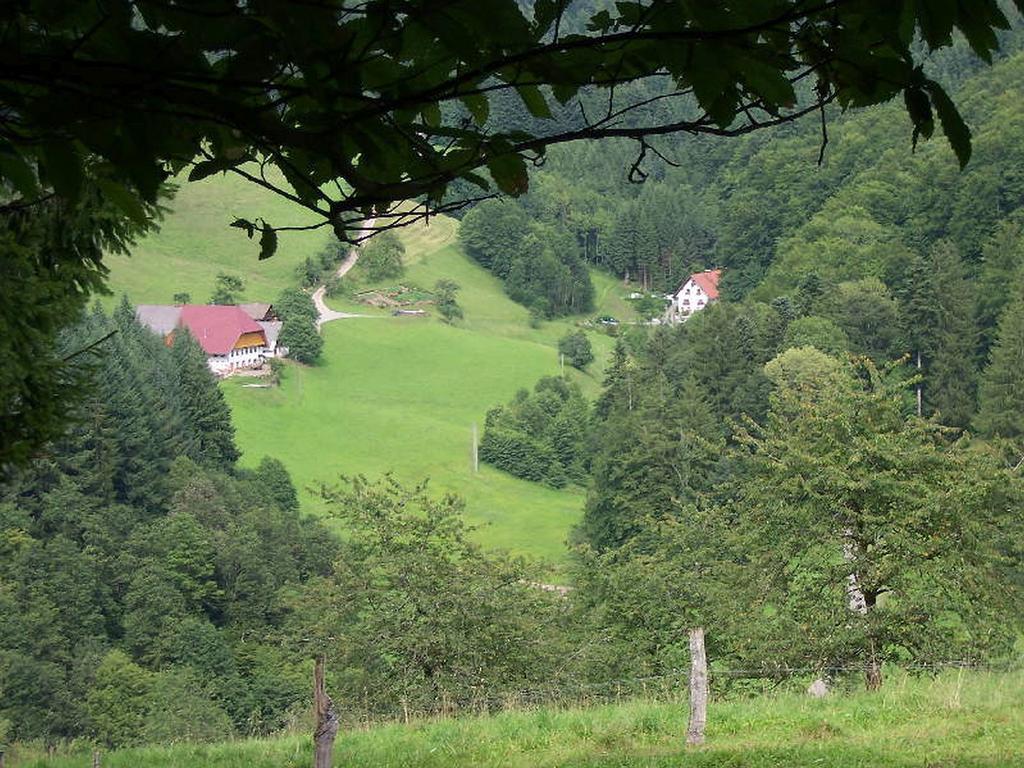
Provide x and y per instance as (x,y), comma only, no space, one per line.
(950,382)
(614,380)
(273,478)
(206,413)
(1001,414)
(1002,259)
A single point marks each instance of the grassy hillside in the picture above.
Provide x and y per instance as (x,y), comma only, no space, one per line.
(195,242)
(974,720)
(391,394)
(402,395)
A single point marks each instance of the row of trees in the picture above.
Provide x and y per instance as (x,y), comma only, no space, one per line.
(838,530)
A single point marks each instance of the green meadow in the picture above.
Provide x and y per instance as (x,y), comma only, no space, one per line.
(195,242)
(397,395)
(957,720)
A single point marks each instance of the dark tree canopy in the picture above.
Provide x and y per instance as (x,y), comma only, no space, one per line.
(359,105)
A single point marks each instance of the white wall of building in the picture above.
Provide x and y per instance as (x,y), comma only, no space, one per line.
(247,357)
(690,298)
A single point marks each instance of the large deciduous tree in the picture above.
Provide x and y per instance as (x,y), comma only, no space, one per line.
(873,537)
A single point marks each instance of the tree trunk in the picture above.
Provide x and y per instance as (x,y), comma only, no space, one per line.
(873,674)
(873,671)
(326,718)
(698,688)
(919,410)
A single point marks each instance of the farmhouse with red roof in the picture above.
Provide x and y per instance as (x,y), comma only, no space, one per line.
(696,292)
(229,336)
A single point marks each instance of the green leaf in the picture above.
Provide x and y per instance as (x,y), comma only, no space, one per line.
(600,22)
(478,180)
(18,172)
(431,114)
(953,125)
(534,101)
(64,168)
(936,18)
(268,242)
(210,167)
(920,110)
(767,81)
(544,13)
(563,92)
(124,199)
(245,224)
(478,105)
(509,173)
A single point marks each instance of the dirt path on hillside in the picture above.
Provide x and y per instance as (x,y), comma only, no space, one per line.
(325,313)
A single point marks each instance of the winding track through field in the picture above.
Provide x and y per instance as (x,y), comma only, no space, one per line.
(324,313)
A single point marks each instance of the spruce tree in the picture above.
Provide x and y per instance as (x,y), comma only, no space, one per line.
(1002,259)
(203,404)
(1001,414)
(653,461)
(950,382)
(614,380)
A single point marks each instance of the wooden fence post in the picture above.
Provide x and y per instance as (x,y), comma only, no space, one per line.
(698,687)
(95,758)
(326,718)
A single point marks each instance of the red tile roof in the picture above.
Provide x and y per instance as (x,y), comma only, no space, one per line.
(707,280)
(217,327)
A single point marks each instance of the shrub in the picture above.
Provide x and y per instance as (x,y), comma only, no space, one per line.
(382,257)
(576,348)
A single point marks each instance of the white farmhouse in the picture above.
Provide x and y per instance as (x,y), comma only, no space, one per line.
(696,292)
(228,334)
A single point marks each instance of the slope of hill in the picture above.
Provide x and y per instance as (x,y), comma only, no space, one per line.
(975,720)
(391,394)
(195,242)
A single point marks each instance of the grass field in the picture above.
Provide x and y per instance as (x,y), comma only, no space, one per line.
(402,395)
(973,720)
(195,242)
(394,395)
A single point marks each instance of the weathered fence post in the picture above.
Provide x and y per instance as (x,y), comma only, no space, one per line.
(3,760)
(326,718)
(95,758)
(698,687)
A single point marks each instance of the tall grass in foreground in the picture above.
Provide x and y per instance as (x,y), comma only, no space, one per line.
(956,720)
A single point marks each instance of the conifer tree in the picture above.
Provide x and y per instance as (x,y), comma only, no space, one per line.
(1002,260)
(950,382)
(1001,412)
(206,413)
(614,380)
(654,460)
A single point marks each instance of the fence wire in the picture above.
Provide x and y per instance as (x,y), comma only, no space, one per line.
(670,686)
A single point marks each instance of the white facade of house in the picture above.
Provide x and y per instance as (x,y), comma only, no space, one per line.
(690,298)
(237,359)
